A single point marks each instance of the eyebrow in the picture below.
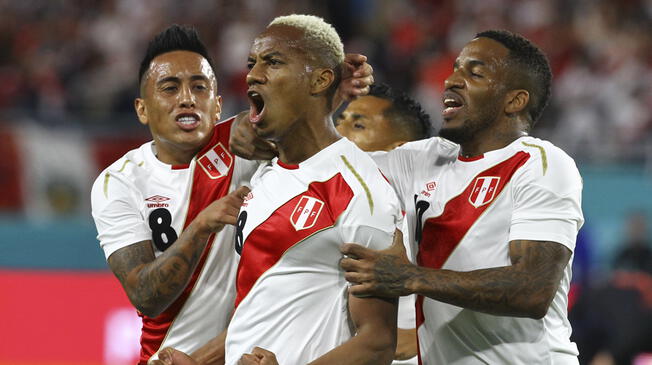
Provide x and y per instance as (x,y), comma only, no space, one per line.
(178,80)
(471,63)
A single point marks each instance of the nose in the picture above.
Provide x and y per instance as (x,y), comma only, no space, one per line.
(454,81)
(186,97)
(255,76)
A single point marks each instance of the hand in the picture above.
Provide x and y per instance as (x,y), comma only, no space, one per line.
(245,143)
(170,356)
(377,273)
(258,356)
(223,211)
(357,76)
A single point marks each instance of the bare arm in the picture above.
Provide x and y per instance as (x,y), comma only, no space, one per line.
(153,283)
(524,289)
(406,344)
(375,338)
(212,353)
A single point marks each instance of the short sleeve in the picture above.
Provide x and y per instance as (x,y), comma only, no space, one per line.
(117,218)
(547,202)
(371,228)
(397,166)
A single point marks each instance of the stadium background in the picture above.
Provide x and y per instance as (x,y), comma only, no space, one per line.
(68,73)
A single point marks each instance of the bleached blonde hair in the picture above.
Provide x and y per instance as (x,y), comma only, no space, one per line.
(321,37)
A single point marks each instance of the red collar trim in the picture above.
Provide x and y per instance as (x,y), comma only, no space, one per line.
(287,166)
(472,158)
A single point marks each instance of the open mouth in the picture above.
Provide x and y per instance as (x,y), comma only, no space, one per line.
(452,103)
(187,121)
(257,106)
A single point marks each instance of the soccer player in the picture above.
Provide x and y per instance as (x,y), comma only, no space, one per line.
(380,121)
(495,213)
(161,209)
(321,191)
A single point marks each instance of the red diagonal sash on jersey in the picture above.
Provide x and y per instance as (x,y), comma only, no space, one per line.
(267,243)
(443,233)
(206,188)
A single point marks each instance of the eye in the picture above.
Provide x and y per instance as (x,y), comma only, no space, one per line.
(201,87)
(274,62)
(170,88)
(357,125)
(250,65)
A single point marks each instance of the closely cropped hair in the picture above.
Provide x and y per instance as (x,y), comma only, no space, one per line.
(174,38)
(322,39)
(404,113)
(531,65)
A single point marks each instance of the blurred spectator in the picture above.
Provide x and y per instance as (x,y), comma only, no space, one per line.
(612,322)
(636,250)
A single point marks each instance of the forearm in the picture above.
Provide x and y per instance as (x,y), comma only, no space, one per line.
(154,286)
(212,353)
(505,291)
(364,348)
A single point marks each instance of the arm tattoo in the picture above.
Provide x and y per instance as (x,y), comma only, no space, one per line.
(524,289)
(152,284)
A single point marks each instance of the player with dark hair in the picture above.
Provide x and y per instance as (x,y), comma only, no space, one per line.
(384,119)
(164,211)
(494,212)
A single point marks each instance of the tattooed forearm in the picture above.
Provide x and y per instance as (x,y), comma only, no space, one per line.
(153,284)
(524,289)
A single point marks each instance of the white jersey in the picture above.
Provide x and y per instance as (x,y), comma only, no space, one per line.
(292,296)
(140,198)
(463,213)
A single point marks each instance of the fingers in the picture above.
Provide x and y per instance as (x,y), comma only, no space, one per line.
(356,251)
(266,357)
(355,58)
(170,356)
(249,359)
(244,141)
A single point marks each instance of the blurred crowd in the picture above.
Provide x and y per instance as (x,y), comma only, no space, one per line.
(66,62)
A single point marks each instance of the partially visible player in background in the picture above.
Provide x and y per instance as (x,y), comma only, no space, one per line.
(163,211)
(381,121)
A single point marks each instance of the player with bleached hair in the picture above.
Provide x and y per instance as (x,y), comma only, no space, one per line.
(321,191)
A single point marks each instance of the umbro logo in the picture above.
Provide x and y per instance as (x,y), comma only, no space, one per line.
(157,201)
(157,198)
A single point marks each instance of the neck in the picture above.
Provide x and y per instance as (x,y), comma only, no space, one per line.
(485,143)
(310,137)
(174,156)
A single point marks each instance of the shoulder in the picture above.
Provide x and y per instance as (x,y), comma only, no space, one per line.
(369,186)
(121,174)
(430,146)
(548,165)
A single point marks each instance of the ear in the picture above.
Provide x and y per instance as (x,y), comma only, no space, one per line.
(141,110)
(516,101)
(218,109)
(321,80)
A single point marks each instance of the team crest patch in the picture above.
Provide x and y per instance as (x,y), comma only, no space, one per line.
(484,190)
(216,162)
(306,212)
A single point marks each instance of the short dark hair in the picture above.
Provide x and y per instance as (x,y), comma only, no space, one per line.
(531,67)
(404,113)
(174,38)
